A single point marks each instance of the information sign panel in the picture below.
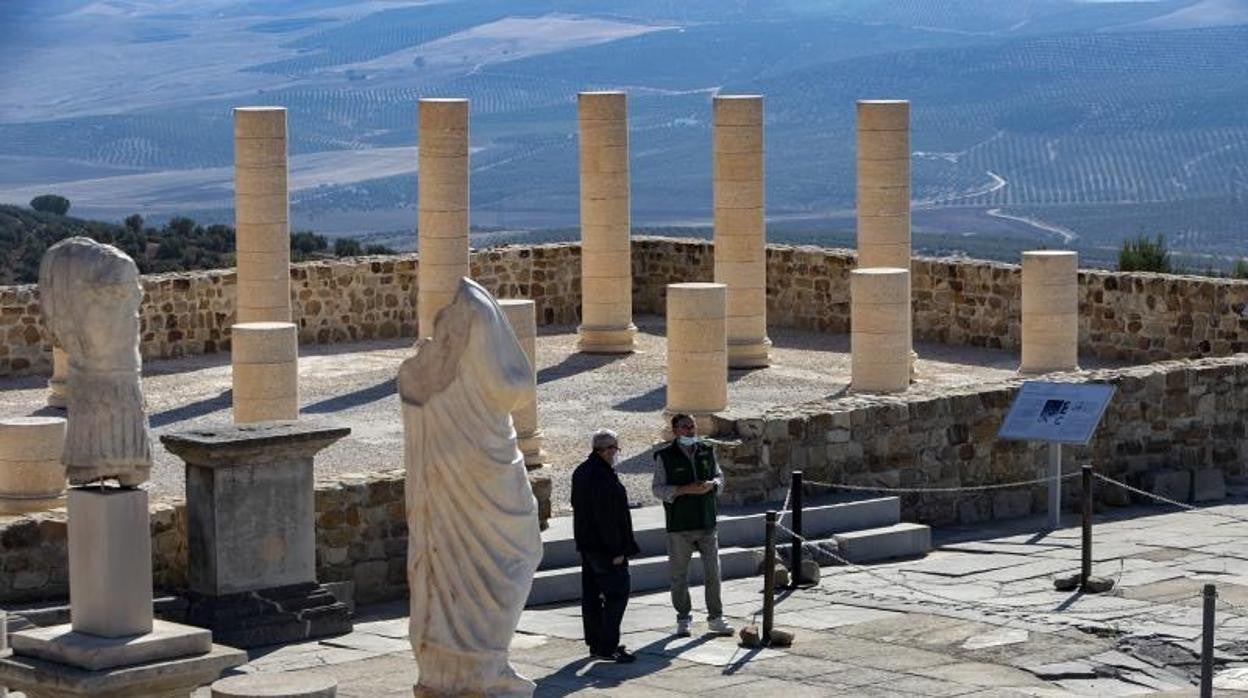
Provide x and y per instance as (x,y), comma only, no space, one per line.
(1064,413)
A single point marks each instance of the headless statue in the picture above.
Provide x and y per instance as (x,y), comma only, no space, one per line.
(89,295)
(472,520)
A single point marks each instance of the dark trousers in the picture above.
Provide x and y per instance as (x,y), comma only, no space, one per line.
(604,595)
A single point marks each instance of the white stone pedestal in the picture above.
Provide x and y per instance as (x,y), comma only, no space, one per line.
(697,348)
(32,477)
(880,329)
(521,315)
(279,685)
(110,561)
(264,359)
(441,206)
(1050,325)
(112,648)
(740,232)
(261,215)
(606,257)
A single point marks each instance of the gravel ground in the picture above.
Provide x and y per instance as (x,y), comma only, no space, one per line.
(354,384)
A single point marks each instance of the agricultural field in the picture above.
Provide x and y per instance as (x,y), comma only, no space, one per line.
(1054,122)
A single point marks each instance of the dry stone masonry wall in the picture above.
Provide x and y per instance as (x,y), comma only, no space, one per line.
(1129,317)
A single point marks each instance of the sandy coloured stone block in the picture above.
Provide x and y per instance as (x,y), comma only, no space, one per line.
(604,214)
(258,300)
(266,381)
(883,255)
(752,274)
(260,152)
(605,238)
(737,110)
(58,382)
(610,106)
(883,115)
(1050,307)
(442,186)
(886,230)
(522,317)
(884,173)
(697,350)
(738,194)
(260,209)
(737,139)
(605,160)
(740,221)
(110,562)
(876,147)
(263,266)
(883,201)
(603,134)
(605,263)
(738,167)
(25,439)
(263,237)
(740,248)
(880,345)
(252,410)
(260,122)
(264,342)
(32,477)
(260,180)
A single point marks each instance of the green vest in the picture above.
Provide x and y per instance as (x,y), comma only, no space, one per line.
(689,512)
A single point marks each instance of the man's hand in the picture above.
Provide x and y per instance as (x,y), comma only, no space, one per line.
(695,488)
(618,561)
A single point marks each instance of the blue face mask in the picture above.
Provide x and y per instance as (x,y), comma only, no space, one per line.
(687,440)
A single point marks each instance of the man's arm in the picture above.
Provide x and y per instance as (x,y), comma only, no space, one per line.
(659,487)
(717,475)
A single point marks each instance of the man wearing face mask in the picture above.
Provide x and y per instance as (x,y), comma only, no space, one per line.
(687,480)
(603,529)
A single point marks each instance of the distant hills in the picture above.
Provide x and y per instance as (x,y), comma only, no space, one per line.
(1044,123)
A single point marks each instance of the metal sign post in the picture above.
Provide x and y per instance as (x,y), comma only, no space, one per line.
(1056,414)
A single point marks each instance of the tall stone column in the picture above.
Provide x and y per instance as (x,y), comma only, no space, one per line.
(740,231)
(442,205)
(522,317)
(879,301)
(606,258)
(883,191)
(261,215)
(697,348)
(265,364)
(1050,311)
(58,384)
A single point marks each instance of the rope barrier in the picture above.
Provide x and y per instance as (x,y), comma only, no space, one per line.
(1167,500)
(922,490)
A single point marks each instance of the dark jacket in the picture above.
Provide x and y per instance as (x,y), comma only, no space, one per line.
(601,522)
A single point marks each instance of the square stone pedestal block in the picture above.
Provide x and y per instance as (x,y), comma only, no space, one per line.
(110,561)
(250,511)
(170,678)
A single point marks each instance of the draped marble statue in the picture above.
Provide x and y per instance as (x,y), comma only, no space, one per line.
(89,295)
(472,520)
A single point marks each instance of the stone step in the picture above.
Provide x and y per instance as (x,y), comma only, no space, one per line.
(647,574)
(889,542)
(739,527)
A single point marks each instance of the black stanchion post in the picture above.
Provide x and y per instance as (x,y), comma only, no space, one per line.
(1206,642)
(795,505)
(1086,570)
(769,579)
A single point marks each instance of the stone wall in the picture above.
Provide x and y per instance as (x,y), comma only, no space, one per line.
(334,301)
(1166,419)
(1128,317)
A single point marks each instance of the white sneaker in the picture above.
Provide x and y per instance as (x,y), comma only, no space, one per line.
(682,628)
(719,626)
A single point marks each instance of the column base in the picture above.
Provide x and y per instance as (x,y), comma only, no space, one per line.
(167,678)
(607,340)
(61,644)
(270,616)
(751,353)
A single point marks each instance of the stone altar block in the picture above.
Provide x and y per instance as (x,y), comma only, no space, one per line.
(250,532)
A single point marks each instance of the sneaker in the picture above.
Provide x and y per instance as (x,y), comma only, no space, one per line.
(682,628)
(619,656)
(719,626)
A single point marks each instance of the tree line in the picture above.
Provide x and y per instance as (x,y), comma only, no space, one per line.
(179,244)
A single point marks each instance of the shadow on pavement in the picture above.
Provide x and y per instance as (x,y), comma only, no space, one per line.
(576,363)
(199,408)
(363,396)
(587,672)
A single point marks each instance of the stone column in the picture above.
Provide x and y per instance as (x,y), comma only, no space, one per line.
(879,329)
(32,477)
(110,562)
(883,183)
(606,258)
(740,233)
(442,205)
(522,316)
(250,511)
(261,215)
(1050,311)
(58,384)
(697,348)
(265,363)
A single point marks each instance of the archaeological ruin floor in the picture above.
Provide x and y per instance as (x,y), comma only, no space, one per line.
(355,384)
